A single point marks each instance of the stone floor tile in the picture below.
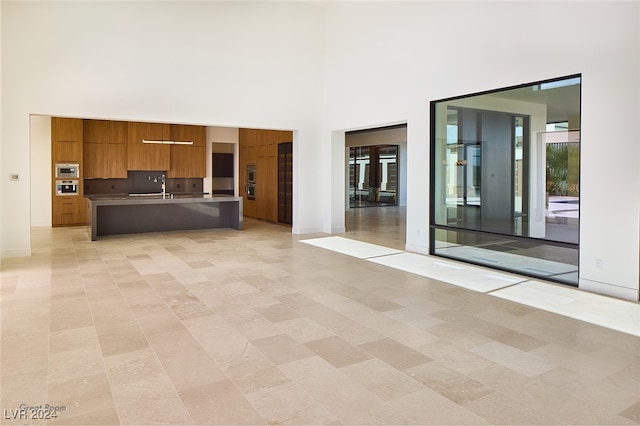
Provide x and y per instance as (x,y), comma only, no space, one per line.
(300,409)
(282,348)
(338,352)
(260,380)
(451,384)
(454,357)
(254,327)
(395,354)
(220,403)
(381,379)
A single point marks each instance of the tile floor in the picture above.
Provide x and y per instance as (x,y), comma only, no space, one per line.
(617,314)
(255,327)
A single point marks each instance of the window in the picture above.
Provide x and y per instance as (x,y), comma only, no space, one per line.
(505,187)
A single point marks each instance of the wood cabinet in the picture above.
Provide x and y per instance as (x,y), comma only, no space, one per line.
(188,133)
(187,161)
(285,182)
(252,155)
(69,210)
(67,147)
(105,149)
(267,188)
(93,160)
(260,148)
(66,140)
(105,131)
(148,156)
(250,208)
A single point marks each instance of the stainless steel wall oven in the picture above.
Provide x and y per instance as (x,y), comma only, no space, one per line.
(67,170)
(67,187)
(251,181)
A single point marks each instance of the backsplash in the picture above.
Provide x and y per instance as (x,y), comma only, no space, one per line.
(139,182)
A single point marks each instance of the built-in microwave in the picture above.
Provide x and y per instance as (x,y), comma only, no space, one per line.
(67,187)
(67,170)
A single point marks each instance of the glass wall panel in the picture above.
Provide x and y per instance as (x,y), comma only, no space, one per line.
(505,169)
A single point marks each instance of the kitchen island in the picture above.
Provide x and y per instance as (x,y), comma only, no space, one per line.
(113,215)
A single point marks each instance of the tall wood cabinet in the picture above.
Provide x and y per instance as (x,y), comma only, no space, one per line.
(259,148)
(66,147)
(285,182)
(267,185)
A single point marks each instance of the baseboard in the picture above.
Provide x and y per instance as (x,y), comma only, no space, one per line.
(301,231)
(41,224)
(607,289)
(412,248)
(16,253)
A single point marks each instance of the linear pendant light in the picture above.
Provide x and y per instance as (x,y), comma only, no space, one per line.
(168,142)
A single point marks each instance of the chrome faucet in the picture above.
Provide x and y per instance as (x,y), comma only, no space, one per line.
(163,184)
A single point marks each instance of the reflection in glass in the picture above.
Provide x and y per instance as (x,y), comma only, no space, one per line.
(505,179)
(373,185)
(562,209)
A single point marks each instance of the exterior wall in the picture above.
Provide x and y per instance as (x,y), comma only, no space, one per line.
(320,69)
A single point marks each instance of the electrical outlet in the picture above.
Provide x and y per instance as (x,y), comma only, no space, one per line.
(598,263)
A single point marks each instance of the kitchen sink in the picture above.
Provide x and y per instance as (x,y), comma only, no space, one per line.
(149,194)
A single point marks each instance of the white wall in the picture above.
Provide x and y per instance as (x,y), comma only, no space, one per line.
(2,168)
(232,64)
(385,61)
(41,184)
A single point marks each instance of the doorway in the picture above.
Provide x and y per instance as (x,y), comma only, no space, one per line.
(376,178)
(376,167)
(222,168)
